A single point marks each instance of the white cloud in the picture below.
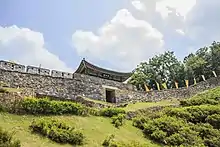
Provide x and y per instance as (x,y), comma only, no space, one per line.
(25,46)
(124,41)
(185,25)
(181,32)
(138,5)
(165,14)
(182,7)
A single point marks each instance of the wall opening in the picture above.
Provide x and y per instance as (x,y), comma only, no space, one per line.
(110,96)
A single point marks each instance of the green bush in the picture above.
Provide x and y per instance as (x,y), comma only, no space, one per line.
(185,137)
(210,136)
(107,142)
(6,139)
(139,122)
(46,106)
(167,124)
(57,131)
(198,101)
(211,97)
(178,112)
(171,131)
(92,111)
(118,120)
(194,114)
(111,142)
(214,120)
(109,112)
(195,123)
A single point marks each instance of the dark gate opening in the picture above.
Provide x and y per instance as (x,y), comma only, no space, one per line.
(110,96)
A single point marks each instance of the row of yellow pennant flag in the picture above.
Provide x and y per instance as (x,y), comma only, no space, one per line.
(176,83)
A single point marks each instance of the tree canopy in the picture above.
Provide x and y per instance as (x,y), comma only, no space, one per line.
(166,68)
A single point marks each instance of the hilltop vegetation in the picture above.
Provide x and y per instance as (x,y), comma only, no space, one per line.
(166,68)
(195,123)
(95,129)
(45,122)
(51,123)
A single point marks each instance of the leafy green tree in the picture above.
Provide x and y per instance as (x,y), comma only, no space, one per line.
(167,68)
(215,57)
(161,68)
(203,62)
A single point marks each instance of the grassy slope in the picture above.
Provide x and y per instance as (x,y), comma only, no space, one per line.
(136,106)
(94,128)
(140,105)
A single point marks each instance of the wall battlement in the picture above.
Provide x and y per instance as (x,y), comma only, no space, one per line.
(33,70)
(70,85)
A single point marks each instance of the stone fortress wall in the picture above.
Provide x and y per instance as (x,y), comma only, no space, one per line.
(69,85)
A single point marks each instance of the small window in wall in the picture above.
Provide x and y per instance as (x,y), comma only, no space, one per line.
(110,96)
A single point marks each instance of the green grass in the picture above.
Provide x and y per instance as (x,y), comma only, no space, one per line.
(97,101)
(96,129)
(141,105)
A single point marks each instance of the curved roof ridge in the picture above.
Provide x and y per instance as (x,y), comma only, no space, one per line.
(105,69)
(87,64)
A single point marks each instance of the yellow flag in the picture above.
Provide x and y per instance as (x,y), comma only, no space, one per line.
(176,84)
(214,73)
(158,86)
(203,77)
(146,87)
(165,85)
(187,83)
(194,81)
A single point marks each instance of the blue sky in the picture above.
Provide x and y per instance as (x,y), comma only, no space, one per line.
(115,34)
(58,20)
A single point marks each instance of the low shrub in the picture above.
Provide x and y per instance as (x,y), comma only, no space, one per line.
(46,106)
(111,142)
(185,137)
(7,140)
(179,113)
(211,97)
(57,131)
(110,112)
(118,120)
(214,120)
(171,131)
(108,140)
(210,136)
(199,101)
(92,111)
(196,123)
(139,122)
(194,114)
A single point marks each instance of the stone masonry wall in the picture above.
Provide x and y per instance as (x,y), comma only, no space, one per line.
(69,86)
(180,93)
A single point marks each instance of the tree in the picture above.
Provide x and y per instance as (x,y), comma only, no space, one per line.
(203,62)
(166,68)
(215,57)
(161,68)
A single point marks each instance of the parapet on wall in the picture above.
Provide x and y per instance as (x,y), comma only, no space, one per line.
(33,70)
(57,83)
(12,66)
(68,85)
